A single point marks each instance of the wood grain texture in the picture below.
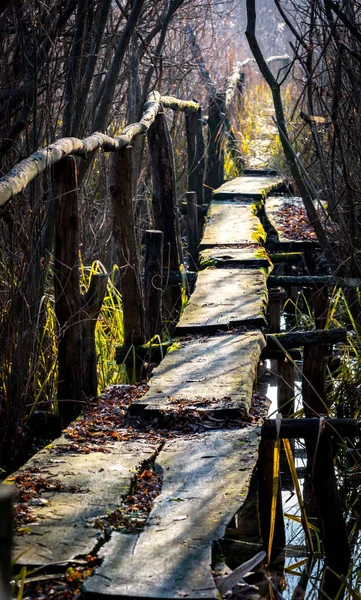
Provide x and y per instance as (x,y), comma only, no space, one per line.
(64,527)
(205,481)
(225,298)
(254,188)
(227,256)
(230,223)
(213,373)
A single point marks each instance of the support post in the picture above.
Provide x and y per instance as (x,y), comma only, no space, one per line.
(275,298)
(164,191)
(93,301)
(330,513)
(192,229)
(68,302)
(165,206)
(286,386)
(320,306)
(122,194)
(6,535)
(314,379)
(265,493)
(240,95)
(215,162)
(321,466)
(195,149)
(153,271)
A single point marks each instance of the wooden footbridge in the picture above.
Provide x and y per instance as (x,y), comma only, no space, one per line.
(205,475)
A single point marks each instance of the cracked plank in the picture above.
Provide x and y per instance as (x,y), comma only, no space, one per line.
(63,528)
(211,373)
(205,481)
(228,257)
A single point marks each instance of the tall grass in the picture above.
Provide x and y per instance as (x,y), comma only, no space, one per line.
(259,139)
(109,330)
(40,387)
(343,400)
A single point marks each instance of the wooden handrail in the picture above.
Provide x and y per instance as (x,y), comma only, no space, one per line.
(28,169)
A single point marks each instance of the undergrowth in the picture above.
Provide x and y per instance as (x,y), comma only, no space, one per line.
(259,140)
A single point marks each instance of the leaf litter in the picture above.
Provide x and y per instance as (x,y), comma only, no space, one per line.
(103,422)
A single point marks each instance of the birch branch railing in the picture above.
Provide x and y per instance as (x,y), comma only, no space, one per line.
(28,169)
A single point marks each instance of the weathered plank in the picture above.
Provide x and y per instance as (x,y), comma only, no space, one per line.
(249,186)
(235,257)
(273,208)
(91,485)
(212,373)
(205,481)
(225,298)
(230,223)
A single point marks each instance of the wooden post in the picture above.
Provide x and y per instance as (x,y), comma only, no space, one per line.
(240,95)
(192,229)
(122,194)
(215,162)
(165,206)
(292,292)
(321,467)
(195,148)
(93,301)
(265,493)
(164,191)
(153,271)
(68,302)
(320,306)
(330,513)
(314,379)
(286,386)
(276,297)
(6,535)
(200,155)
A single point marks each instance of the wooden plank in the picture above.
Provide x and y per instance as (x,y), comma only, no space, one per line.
(212,373)
(273,208)
(259,172)
(298,246)
(249,186)
(312,281)
(235,257)
(309,428)
(205,481)
(317,337)
(230,223)
(91,485)
(225,298)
